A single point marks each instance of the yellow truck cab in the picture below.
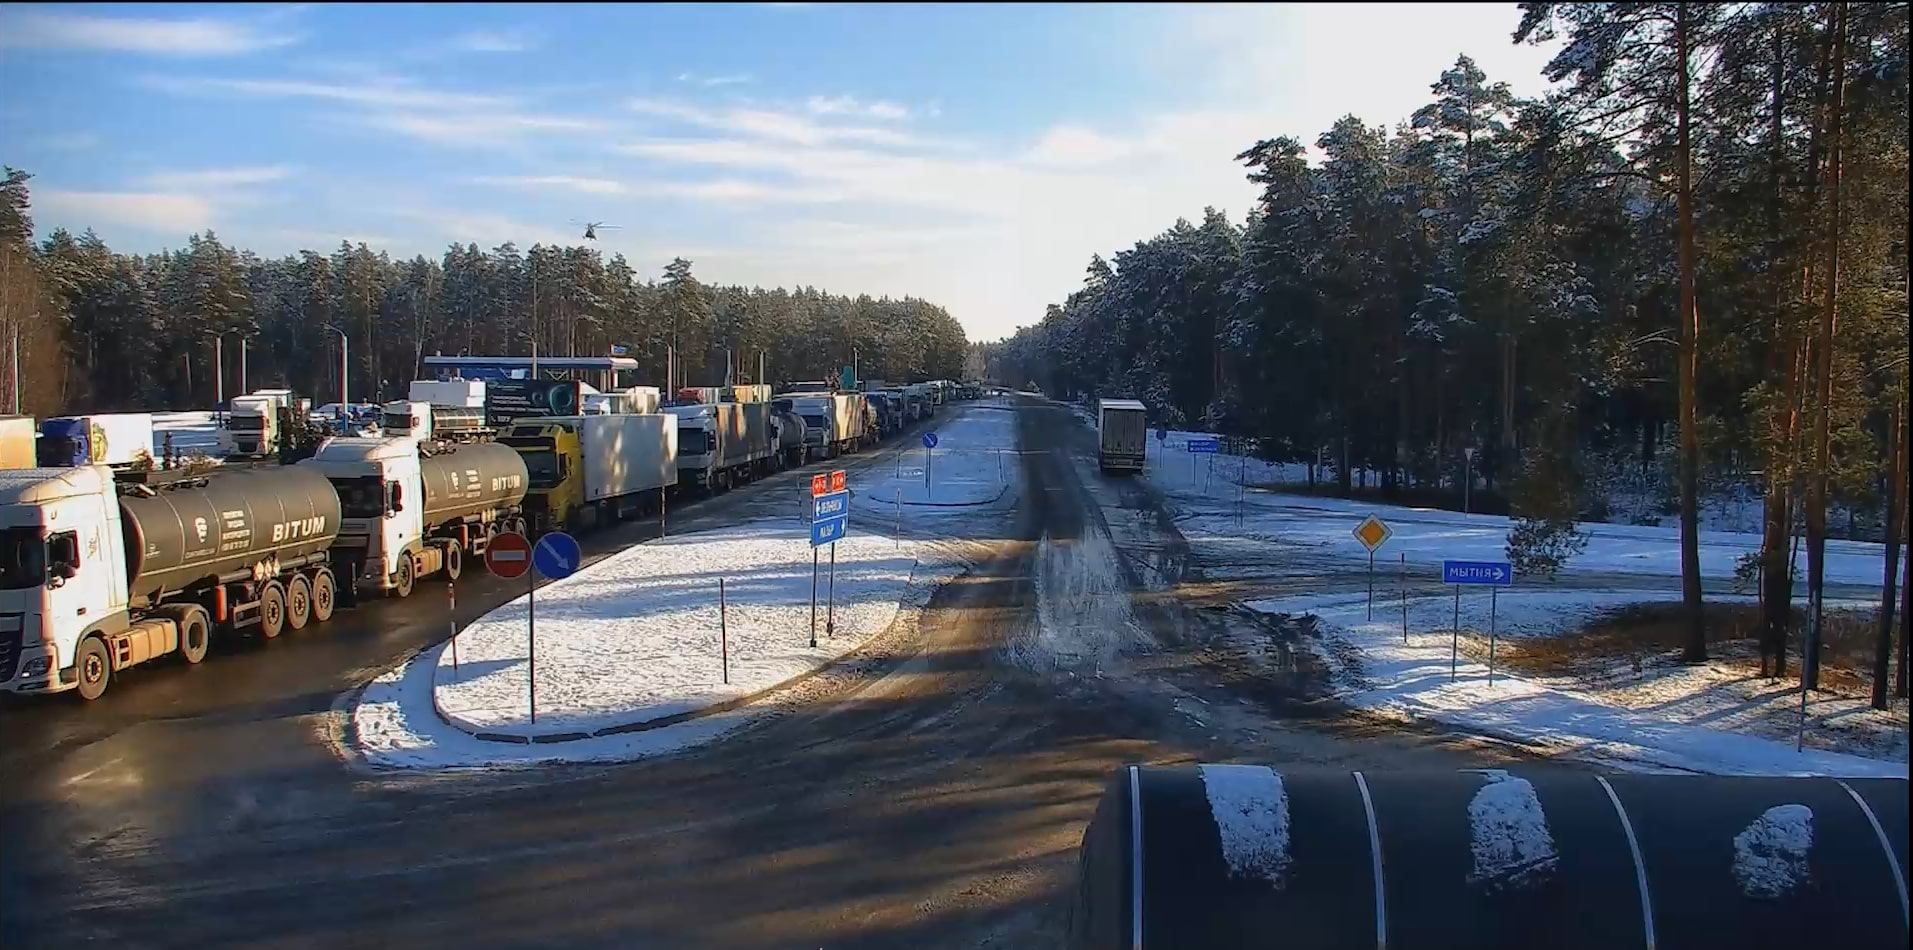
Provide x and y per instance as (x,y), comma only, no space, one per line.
(554,461)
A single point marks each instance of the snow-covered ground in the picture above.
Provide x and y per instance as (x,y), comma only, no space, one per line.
(1212,511)
(974,463)
(1656,722)
(636,637)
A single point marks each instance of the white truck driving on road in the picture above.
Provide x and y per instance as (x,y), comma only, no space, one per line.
(1122,431)
(408,511)
(99,574)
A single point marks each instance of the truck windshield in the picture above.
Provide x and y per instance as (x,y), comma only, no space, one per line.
(246,423)
(396,422)
(22,558)
(543,468)
(814,421)
(693,441)
(362,497)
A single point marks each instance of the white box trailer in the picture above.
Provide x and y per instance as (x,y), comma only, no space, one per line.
(625,454)
(117,439)
(723,444)
(833,422)
(467,393)
(1122,430)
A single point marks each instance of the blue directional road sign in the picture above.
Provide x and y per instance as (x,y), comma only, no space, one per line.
(929,440)
(1492,573)
(1203,446)
(831,505)
(557,555)
(828,530)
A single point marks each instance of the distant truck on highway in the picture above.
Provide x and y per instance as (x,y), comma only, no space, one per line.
(833,422)
(409,510)
(252,424)
(117,439)
(595,468)
(99,573)
(1122,430)
(723,444)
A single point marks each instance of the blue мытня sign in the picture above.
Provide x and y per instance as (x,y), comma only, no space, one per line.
(1203,446)
(1498,573)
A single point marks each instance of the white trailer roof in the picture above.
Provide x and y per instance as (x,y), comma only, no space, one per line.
(1122,404)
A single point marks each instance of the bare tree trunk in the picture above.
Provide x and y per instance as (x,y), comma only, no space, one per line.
(1895,511)
(1822,446)
(1696,640)
(1906,588)
(1776,602)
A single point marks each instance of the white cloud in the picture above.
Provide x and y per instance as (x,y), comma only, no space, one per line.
(770,124)
(215,178)
(477,128)
(489,41)
(588,186)
(39,29)
(723,190)
(485,228)
(852,106)
(1075,146)
(160,212)
(383,92)
(725,79)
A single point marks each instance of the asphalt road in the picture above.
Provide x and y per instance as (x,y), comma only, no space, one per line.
(929,793)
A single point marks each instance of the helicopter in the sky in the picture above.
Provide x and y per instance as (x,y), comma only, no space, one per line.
(593,227)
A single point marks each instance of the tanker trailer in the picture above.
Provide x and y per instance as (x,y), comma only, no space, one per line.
(99,574)
(410,510)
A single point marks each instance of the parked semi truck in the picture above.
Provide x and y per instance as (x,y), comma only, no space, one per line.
(423,421)
(98,573)
(252,424)
(409,510)
(18,438)
(833,422)
(1122,431)
(595,468)
(114,439)
(723,444)
(790,428)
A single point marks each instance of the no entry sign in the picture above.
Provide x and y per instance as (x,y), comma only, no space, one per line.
(509,555)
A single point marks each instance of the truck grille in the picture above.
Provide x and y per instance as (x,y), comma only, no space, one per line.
(10,634)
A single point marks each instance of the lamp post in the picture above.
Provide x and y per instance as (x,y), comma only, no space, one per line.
(345,346)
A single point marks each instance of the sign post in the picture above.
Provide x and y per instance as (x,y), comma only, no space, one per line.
(723,634)
(556,555)
(1467,477)
(1373,532)
(1199,447)
(1491,574)
(829,522)
(929,442)
(451,619)
(508,556)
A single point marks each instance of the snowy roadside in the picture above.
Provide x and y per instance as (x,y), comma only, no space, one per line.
(973,464)
(1662,720)
(634,639)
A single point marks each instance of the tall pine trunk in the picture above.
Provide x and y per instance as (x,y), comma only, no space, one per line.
(1895,511)
(1696,646)
(1822,419)
(1776,598)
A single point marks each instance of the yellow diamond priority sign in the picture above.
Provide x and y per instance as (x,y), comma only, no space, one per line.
(1373,532)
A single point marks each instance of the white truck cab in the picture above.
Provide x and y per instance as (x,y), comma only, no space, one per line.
(62,571)
(380,520)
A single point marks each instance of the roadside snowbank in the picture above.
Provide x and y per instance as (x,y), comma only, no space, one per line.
(1378,671)
(635,638)
(973,464)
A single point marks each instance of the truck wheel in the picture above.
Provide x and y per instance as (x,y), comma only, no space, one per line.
(404,586)
(454,558)
(272,610)
(195,635)
(299,602)
(324,596)
(95,668)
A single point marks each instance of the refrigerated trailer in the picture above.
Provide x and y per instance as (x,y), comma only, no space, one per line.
(98,573)
(115,439)
(723,444)
(597,467)
(1122,431)
(18,435)
(833,422)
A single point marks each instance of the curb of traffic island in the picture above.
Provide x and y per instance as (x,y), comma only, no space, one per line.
(993,499)
(626,728)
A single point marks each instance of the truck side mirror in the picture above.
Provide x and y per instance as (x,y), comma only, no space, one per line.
(398,498)
(64,571)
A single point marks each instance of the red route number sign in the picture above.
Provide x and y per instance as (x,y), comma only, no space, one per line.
(508,555)
(819,484)
(838,482)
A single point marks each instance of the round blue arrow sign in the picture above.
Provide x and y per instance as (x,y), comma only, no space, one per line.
(557,555)
(929,440)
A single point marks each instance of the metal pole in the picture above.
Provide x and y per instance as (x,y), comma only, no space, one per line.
(1493,593)
(723,633)
(662,494)
(1800,733)
(451,620)
(830,601)
(1404,589)
(1454,636)
(927,456)
(242,363)
(1371,583)
(1467,478)
(813,596)
(16,362)
(531,639)
(219,370)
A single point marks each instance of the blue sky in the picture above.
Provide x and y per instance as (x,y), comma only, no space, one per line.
(973,155)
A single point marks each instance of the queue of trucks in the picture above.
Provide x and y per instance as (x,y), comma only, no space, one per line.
(108,560)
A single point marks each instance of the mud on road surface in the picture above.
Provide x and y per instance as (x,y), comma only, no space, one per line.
(931,792)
